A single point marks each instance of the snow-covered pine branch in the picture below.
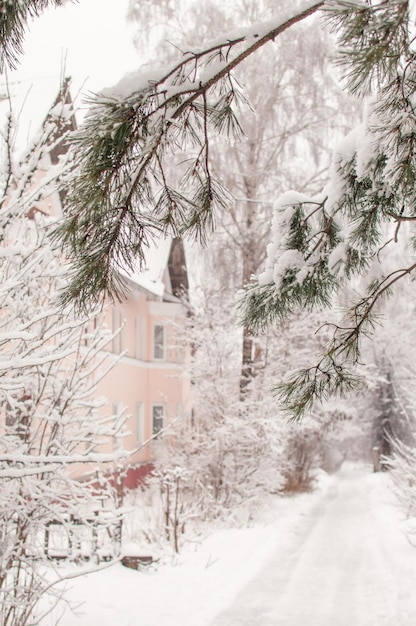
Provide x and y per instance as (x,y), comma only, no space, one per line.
(121,192)
(322,244)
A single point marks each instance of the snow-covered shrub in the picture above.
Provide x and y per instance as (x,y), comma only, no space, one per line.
(301,455)
(236,448)
(205,472)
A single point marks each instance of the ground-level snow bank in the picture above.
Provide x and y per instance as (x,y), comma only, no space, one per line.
(219,571)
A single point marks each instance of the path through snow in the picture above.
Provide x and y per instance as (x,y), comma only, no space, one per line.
(343,569)
(335,557)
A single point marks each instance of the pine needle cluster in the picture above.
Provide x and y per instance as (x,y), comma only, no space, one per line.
(14,15)
(123,191)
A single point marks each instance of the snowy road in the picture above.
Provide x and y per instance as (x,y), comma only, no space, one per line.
(342,570)
(335,557)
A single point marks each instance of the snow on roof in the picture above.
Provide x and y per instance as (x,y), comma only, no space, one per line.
(150,277)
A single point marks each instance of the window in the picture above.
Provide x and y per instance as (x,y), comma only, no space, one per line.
(158,412)
(158,341)
(18,417)
(139,423)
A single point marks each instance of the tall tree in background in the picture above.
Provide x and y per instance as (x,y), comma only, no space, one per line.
(284,140)
(287,145)
(390,368)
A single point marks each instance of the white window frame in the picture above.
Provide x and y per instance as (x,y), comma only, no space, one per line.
(160,426)
(139,423)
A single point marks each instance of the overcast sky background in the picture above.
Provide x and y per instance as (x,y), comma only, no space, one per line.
(91,36)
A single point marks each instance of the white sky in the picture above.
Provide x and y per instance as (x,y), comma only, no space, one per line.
(94,38)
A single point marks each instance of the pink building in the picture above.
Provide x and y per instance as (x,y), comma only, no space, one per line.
(148,382)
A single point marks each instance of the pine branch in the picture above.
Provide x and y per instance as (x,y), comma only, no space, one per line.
(14,15)
(303,388)
(120,185)
(334,372)
(370,40)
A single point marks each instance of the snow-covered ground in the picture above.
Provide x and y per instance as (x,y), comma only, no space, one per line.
(338,556)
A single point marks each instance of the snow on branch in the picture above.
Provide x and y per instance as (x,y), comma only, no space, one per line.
(51,422)
(122,192)
(41,464)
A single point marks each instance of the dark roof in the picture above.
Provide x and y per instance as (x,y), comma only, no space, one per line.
(63,123)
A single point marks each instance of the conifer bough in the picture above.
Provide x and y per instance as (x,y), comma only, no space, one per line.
(122,191)
(14,15)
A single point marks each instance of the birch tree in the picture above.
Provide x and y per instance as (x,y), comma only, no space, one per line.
(285,138)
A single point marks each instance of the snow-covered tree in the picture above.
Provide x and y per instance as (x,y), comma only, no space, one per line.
(222,461)
(122,190)
(391,401)
(386,397)
(288,132)
(53,429)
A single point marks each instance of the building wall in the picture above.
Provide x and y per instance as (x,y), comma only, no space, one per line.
(145,380)
(148,381)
